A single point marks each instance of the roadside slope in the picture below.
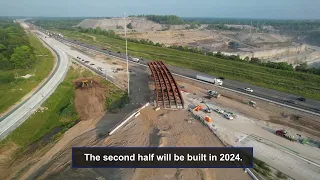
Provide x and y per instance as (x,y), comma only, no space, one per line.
(16,91)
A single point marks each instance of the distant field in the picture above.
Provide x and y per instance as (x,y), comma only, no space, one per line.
(303,84)
(12,92)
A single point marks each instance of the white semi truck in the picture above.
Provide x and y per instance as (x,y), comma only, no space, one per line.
(210,80)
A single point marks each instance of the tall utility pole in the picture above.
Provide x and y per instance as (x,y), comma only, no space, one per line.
(125,34)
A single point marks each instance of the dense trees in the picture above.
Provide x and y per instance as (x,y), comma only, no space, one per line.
(129,26)
(164,19)
(99,31)
(15,51)
(22,57)
(221,27)
(53,23)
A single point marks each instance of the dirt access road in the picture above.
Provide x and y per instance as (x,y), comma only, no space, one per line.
(251,128)
(150,129)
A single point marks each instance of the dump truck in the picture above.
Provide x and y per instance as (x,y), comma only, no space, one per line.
(286,134)
(215,81)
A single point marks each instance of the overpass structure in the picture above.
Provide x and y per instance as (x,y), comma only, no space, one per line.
(167,91)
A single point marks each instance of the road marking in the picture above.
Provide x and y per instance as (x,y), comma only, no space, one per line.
(285,105)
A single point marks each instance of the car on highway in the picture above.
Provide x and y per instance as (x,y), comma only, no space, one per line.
(222,78)
(118,52)
(292,102)
(219,111)
(228,116)
(248,89)
(301,99)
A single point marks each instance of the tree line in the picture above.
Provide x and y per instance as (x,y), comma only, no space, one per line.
(221,27)
(15,50)
(164,19)
(64,23)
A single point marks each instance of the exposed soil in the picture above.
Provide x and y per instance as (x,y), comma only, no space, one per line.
(150,129)
(170,128)
(89,100)
(89,104)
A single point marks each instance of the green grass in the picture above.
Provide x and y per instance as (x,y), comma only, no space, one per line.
(60,113)
(12,92)
(303,84)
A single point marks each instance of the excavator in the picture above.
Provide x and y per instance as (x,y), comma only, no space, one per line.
(84,83)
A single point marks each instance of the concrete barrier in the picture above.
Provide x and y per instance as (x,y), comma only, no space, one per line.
(128,118)
(247,170)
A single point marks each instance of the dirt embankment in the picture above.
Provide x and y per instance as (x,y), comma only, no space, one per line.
(89,104)
(89,99)
(150,129)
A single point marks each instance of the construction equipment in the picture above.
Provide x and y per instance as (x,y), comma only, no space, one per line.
(197,108)
(286,134)
(84,83)
(252,103)
(214,94)
(208,119)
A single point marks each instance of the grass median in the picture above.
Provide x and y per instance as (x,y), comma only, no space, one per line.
(13,87)
(302,84)
(57,114)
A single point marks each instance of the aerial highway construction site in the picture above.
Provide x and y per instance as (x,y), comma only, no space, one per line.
(168,108)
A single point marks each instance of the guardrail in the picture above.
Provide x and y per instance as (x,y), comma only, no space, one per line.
(38,89)
(229,89)
(29,113)
(247,170)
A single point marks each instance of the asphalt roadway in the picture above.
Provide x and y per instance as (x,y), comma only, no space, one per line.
(19,114)
(309,106)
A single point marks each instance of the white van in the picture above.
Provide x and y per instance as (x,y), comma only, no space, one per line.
(135,59)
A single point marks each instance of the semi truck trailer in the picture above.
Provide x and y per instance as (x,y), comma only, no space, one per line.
(210,80)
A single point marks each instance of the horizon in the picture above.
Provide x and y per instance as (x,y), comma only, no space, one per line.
(246,9)
(183,17)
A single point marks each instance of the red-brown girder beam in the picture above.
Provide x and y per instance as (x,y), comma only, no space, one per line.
(170,82)
(165,81)
(155,81)
(175,83)
(157,72)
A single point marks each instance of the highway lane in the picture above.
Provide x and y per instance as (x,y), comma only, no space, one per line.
(17,117)
(269,94)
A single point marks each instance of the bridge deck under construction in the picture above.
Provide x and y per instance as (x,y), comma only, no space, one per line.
(167,91)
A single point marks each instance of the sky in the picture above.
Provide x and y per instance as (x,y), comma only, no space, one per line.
(269,9)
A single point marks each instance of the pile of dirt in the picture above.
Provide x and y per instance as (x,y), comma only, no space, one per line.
(138,23)
(89,99)
(167,128)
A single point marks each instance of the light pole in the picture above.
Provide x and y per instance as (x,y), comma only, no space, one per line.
(125,34)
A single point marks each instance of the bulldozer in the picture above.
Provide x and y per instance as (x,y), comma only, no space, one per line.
(84,83)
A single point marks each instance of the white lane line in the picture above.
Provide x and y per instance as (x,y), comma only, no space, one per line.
(285,105)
